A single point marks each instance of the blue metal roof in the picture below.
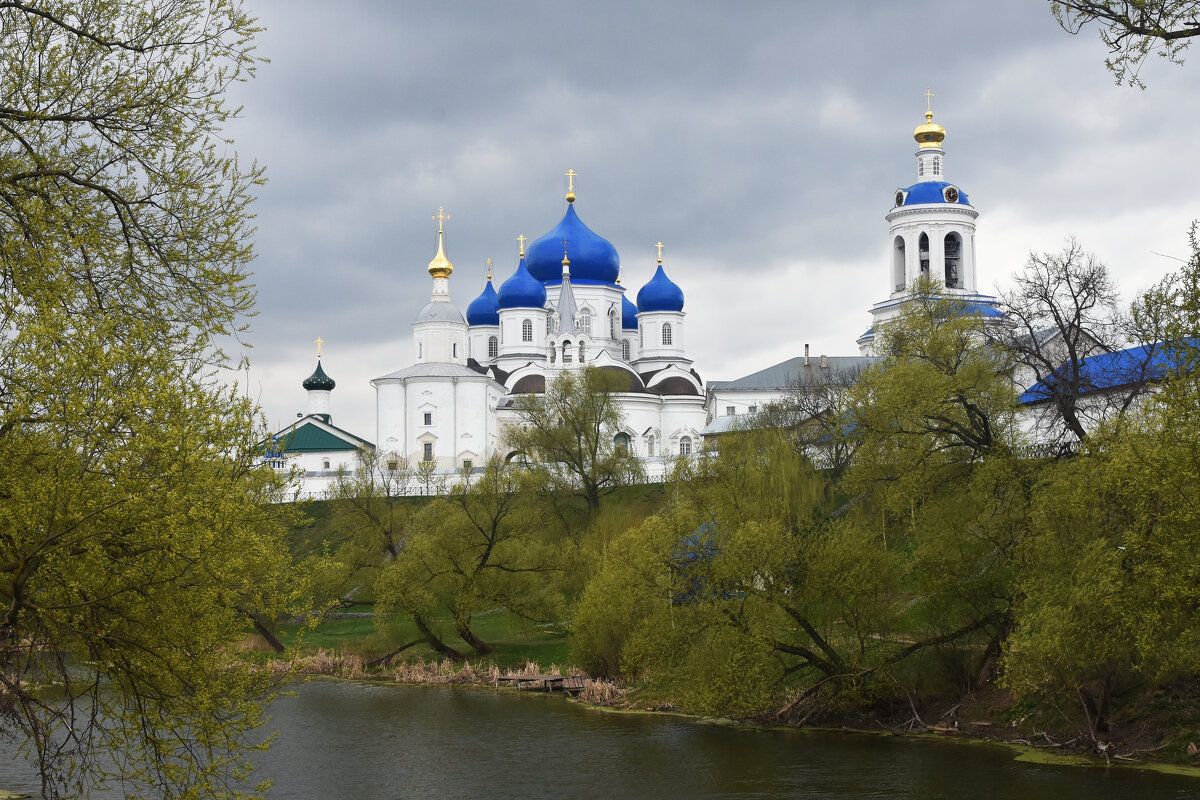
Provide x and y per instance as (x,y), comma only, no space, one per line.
(932,192)
(1112,370)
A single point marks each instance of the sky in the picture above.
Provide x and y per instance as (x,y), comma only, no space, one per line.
(761,142)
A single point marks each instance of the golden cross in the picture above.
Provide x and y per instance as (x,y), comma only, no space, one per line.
(521,239)
(928,99)
(660,247)
(565,242)
(489,265)
(441,217)
(571,176)
(319,342)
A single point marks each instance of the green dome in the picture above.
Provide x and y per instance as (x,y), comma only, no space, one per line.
(319,380)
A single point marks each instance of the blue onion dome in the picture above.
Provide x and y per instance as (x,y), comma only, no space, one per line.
(319,380)
(628,314)
(931,192)
(522,290)
(485,309)
(660,294)
(593,258)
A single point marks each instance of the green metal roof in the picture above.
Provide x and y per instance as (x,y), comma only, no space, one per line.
(310,438)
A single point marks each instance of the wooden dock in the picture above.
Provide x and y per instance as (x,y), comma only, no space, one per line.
(571,684)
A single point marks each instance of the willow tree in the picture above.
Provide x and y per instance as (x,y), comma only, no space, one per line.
(570,435)
(136,543)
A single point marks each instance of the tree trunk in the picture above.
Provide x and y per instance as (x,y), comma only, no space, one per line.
(462,625)
(264,628)
(435,641)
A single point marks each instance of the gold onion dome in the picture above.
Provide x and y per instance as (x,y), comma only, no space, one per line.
(930,134)
(440,267)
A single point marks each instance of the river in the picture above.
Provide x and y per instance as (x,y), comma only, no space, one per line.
(380,742)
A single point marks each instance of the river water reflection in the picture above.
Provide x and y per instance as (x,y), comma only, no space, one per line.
(376,742)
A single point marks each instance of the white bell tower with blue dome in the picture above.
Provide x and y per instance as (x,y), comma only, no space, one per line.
(931,235)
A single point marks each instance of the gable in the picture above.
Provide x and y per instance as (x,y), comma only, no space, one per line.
(308,437)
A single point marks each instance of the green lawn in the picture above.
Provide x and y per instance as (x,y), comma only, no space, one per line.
(515,639)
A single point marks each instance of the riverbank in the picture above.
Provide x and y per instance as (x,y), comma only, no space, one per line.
(981,719)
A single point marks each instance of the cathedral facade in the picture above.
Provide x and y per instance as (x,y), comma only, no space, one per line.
(562,308)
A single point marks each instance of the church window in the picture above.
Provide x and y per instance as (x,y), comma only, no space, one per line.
(581,352)
(923,254)
(526,330)
(729,411)
(393,465)
(454,350)
(937,166)
(650,445)
(553,353)
(585,322)
(468,464)
(898,266)
(420,350)
(493,347)
(325,464)
(625,349)
(621,440)
(641,336)
(566,354)
(753,409)
(428,417)
(685,446)
(920,168)
(428,454)
(666,333)
(953,252)
(612,325)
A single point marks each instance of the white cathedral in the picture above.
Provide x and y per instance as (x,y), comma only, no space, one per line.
(564,307)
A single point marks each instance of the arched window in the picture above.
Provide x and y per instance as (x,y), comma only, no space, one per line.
(585,321)
(923,254)
(493,347)
(666,333)
(420,350)
(621,440)
(454,350)
(650,445)
(641,336)
(898,264)
(581,352)
(920,167)
(553,353)
(625,349)
(685,446)
(953,253)
(566,352)
(937,166)
(612,324)
(526,330)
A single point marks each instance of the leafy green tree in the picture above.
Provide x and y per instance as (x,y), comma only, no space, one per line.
(373,512)
(481,547)
(137,540)
(569,434)
(1109,587)
(1133,29)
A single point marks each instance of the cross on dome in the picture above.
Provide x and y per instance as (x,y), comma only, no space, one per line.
(319,341)
(571,176)
(441,217)
(928,99)
(660,248)
(521,239)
